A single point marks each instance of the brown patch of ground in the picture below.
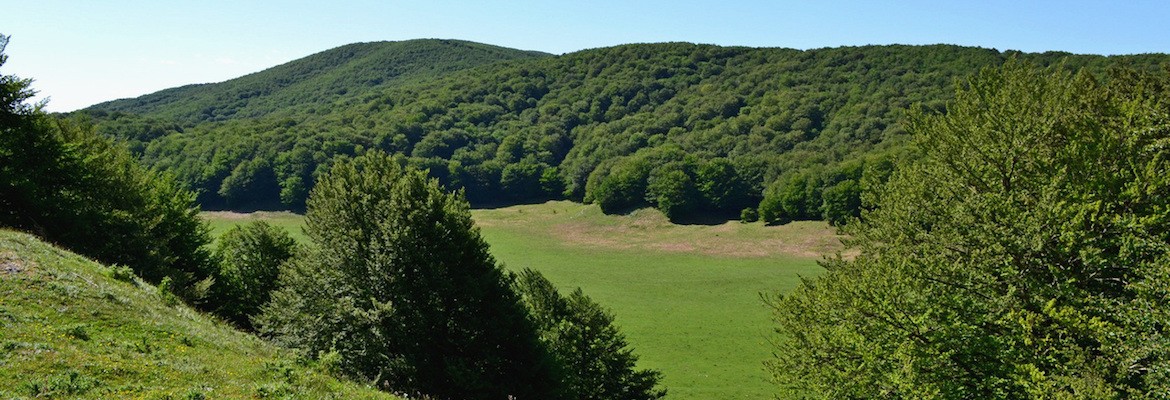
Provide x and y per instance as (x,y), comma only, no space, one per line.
(11,264)
(649,230)
(228,215)
(720,240)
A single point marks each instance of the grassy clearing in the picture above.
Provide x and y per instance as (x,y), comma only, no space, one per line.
(221,221)
(70,328)
(687,296)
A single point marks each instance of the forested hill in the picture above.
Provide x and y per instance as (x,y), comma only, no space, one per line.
(690,129)
(316,80)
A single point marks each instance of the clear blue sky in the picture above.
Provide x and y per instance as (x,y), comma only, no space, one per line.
(85,52)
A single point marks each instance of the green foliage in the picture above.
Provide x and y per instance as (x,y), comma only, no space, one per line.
(621,187)
(749,215)
(723,188)
(252,184)
(671,189)
(314,81)
(797,197)
(73,187)
(841,202)
(250,257)
(1023,255)
(524,181)
(400,284)
(597,362)
(470,112)
(122,273)
(70,331)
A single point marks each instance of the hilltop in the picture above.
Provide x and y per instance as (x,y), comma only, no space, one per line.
(694,130)
(71,328)
(319,79)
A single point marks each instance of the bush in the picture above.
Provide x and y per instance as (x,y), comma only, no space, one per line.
(250,258)
(749,215)
(122,273)
(595,358)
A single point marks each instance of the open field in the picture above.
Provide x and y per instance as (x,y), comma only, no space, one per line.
(221,221)
(687,296)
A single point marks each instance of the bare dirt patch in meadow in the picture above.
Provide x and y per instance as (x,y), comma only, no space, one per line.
(11,264)
(578,225)
(806,240)
(227,215)
(239,216)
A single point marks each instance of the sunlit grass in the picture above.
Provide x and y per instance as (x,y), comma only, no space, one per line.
(69,329)
(687,296)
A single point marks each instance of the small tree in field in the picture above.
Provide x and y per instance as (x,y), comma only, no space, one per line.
(400,284)
(250,257)
(596,360)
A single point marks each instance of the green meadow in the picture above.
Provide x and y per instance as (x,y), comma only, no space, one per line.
(686,296)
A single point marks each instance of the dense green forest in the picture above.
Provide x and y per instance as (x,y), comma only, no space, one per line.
(778,134)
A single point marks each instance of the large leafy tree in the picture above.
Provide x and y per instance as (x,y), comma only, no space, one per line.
(399,282)
(1024,254)
(65,183)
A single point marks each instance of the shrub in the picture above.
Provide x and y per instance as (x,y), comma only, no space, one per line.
(596,360)
(749,215)
(250,258)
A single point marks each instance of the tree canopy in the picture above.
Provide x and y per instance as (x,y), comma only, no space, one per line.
(1024,252)
(745,123)
(69,185)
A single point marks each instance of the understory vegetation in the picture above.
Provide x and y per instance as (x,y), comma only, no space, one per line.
(1024,252)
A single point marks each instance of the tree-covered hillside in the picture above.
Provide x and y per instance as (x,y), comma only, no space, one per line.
(687,128)
(316,80)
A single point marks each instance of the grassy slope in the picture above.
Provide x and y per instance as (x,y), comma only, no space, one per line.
(70,330)
(686,296)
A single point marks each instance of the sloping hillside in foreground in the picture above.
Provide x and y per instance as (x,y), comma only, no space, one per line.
(71,328)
